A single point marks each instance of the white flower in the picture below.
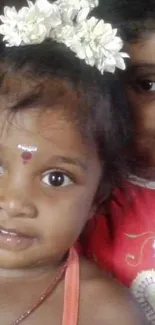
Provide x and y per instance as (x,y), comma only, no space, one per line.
(31,24)
(65,21)
(13,23)
(70,9)
(42,17)
(97,43)
(64,35)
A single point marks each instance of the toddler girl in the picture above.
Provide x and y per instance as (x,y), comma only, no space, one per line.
(62,131)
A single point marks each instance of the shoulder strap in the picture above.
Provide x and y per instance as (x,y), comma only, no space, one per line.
(72,288)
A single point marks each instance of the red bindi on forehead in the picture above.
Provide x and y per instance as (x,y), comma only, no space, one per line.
(26,157)
(27,152)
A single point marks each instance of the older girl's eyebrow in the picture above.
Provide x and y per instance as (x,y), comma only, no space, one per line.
(141,66)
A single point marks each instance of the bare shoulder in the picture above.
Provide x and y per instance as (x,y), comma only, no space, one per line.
(103,301)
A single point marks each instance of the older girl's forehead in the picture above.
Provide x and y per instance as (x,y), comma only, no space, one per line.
(143,50)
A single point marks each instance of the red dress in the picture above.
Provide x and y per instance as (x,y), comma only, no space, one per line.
(128,250)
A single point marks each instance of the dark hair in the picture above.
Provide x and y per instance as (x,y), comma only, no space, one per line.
(135,19)
(106,119)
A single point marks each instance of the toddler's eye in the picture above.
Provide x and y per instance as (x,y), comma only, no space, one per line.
(146,85)
(56,179)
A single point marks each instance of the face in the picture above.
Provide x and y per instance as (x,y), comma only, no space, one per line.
(46,199)
(141,93)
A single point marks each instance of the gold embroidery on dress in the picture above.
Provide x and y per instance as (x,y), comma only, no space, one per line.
(132,259)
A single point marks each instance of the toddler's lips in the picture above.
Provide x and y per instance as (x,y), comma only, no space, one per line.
(14,241)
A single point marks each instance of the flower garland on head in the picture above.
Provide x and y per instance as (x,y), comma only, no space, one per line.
(67,22)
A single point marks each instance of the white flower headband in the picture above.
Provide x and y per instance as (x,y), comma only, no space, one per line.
(65,21)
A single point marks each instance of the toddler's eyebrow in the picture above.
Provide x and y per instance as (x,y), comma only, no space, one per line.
(76,161)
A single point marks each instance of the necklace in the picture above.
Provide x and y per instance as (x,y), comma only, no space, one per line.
(43,296)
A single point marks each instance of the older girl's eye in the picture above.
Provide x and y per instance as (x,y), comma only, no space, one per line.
(146,85)
(56,179)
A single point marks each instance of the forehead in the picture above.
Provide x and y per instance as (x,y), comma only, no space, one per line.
(56,113)
(37,105)
(23,87)
(143,51)
(46,130)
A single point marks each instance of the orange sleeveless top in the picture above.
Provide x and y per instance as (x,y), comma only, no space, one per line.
(72,288)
